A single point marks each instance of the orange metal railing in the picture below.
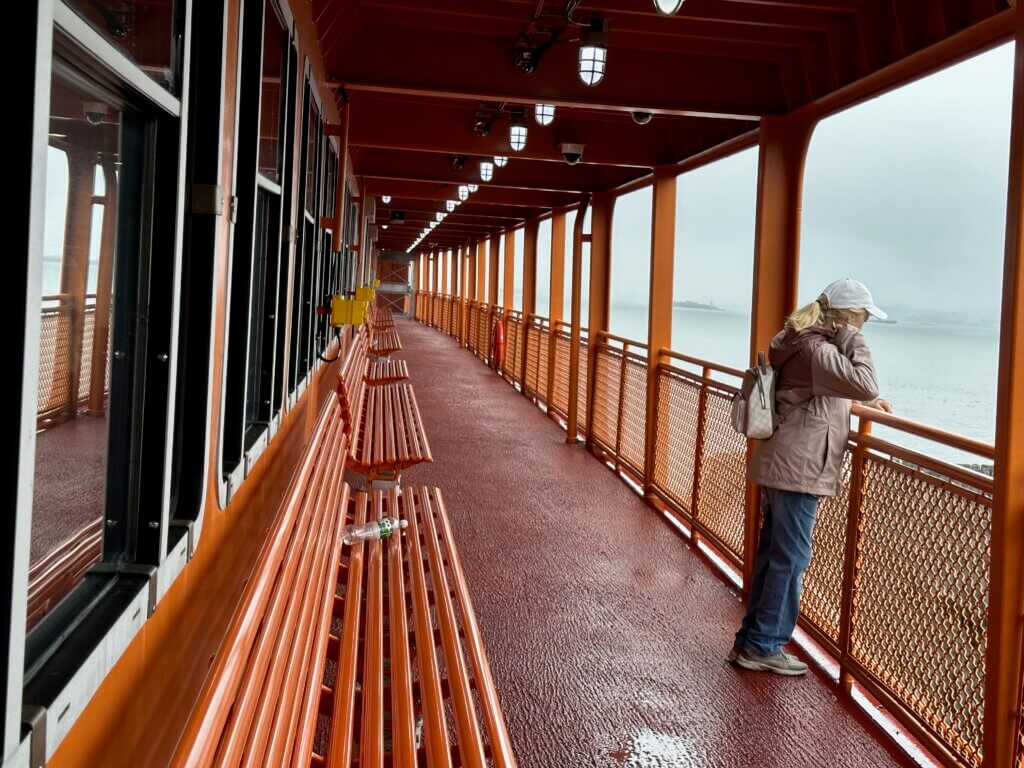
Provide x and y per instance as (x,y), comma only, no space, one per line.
(897,591)
(58,353)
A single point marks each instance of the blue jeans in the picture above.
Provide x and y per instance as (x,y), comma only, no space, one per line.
(783,555)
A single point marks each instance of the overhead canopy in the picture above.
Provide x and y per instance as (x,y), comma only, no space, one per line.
(431,87)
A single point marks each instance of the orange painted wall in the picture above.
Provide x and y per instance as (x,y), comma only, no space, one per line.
(140,710)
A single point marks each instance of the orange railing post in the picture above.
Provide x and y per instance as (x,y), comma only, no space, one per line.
(556,293)
(698,450)
(600,288)
(850,555)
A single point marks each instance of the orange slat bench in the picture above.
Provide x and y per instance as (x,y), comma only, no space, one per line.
(383,422)
(389,436)
(412,684)
(259,705)
(383,318)
(384,370)
(385,342)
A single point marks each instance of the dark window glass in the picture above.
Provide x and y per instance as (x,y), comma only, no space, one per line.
(270,102)
(146,31)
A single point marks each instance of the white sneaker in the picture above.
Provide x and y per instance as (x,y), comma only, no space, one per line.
(780,664)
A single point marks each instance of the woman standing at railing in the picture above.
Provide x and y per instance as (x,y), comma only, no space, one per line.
(822,363)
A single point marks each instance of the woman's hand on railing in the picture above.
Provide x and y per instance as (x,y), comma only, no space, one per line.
(880,405)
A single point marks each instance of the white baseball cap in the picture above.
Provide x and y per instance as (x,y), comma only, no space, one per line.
(852,294)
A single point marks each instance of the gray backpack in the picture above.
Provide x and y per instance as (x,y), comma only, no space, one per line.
(753,407)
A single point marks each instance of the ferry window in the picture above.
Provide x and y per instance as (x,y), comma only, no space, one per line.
(543,272)
(149,33)
(98,463)
(328,259)
(716,207)
(200,243)
(919,217)
(307,247)
(517,274)
(631,265)
(489,245)
(252,368)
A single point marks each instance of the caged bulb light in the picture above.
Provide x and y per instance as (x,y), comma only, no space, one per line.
(486,170)
(517,137)
(500,160)
(668,7)
(439,216)
(463,193)
(544,114)
(593,56)
(450,205)
(474,187)
(386,199)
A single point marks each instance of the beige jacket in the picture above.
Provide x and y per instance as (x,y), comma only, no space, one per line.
(820,371)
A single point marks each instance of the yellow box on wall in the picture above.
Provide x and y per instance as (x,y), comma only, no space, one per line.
(365,294)
(348,311)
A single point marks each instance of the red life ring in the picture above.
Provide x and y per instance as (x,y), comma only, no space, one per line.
(498,343)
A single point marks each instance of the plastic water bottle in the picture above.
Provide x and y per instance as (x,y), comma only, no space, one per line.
(373,530)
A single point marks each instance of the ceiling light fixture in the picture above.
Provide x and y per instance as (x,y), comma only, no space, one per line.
(463,192)
(486,170)
(500,160)
(593,56)
(474,187)
(668,7)
(439,216)
(544,114)
(641,118)
(450,205)
(517,130)
(386,199)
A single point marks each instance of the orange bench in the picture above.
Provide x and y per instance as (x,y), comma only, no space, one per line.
(382,318)
(385,342)
(389,435)
(260,702)
(56,574)
(384,370)
(423,694)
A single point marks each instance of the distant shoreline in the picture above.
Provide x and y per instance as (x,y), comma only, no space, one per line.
(696,305)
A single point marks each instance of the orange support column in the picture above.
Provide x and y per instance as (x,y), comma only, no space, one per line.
(492,271)
(600,287)
(556,289)
(104,293)
(481,272)
(530,266)
(510,270)
(572,426)
(1003,663)
(659,310)
(783,148)
(341,131)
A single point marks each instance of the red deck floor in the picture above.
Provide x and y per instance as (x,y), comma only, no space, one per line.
(606,633)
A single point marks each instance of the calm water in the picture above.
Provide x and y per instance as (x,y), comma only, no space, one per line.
(939,375)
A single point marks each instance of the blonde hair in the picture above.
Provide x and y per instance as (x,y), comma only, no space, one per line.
(818,312)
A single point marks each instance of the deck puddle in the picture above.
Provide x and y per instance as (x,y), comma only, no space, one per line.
(649,749)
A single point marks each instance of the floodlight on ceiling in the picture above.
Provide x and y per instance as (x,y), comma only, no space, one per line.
(500,160)
(474,187)
(668,7)
(593,56)
(439,217)
(544,114)
(463,192)
(450,205)
(486,170)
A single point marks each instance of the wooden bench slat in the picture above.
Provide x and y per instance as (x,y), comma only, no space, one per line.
(434,728)
(403,725)
(372,741)
(467,727)
(501,745)
(339,753)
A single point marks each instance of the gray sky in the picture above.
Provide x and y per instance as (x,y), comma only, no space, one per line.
(906,192)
